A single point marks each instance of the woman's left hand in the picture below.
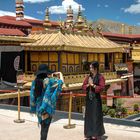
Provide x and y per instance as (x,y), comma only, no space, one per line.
(45,116)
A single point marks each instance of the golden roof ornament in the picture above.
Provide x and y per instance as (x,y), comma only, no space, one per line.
(99,30)
(86,26)
(69,10)
(79,16)
(62,27)
(47,15)
(69,19)
(79,24)
(47,22)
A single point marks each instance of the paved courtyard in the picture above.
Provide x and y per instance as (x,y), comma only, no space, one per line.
(30,130)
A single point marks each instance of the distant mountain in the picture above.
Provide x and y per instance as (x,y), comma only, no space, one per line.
(116,27)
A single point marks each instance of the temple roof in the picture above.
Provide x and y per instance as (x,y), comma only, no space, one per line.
(29,21)
(58,41)
(14,22)
(11,32)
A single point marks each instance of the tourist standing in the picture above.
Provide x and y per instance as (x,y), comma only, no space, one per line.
(43,96)
(93,85)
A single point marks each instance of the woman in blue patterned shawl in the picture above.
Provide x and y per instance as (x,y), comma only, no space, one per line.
(43,96)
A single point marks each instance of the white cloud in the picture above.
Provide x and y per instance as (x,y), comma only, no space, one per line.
(106,6)
(36,1)
(40,12)
(98,5)
(134,8)
(57,10)
(61,9)
(7,13)
(138,23)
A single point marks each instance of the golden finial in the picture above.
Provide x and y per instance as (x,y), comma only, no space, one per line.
(47,14)
(99,28)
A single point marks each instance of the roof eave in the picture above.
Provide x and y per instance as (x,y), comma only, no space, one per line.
(72,49)
(17,39)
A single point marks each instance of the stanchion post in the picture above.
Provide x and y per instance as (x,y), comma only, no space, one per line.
(18,103)
(19,85)
(69,126)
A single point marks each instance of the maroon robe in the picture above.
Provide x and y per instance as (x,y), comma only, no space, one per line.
(93,126)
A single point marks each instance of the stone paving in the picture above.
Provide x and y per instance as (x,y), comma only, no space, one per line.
(30,130)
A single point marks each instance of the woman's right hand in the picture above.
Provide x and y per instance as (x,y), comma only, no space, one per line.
(90,81)
(88,85)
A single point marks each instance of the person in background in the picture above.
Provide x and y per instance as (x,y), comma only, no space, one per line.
(43,96)
(93,85)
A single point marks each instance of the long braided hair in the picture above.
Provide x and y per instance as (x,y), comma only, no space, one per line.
(39,85)
(95,65)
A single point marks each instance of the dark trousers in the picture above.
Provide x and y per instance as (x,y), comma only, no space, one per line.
(44,130)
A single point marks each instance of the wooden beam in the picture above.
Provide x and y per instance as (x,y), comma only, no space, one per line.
(14,95)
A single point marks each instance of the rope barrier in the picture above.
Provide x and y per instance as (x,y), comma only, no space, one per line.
(7,91)
(70,95)
(102,96)
(27,93)
(14,95)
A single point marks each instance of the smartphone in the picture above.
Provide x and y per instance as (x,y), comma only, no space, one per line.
(58,75)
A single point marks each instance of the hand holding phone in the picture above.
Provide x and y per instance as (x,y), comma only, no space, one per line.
(58,75)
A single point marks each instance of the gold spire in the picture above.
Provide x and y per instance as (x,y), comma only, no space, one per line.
(86,27)
(47,17)
(80,23)
(79,16)
(47,23)
(99,30)
(69,10)
(69,19)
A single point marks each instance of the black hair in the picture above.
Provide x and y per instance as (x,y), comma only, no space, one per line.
(90,74)
(95,65)
(39,84)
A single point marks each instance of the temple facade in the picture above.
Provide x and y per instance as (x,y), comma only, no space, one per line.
(71,47)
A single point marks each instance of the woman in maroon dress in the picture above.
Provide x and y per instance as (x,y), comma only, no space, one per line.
(93,85)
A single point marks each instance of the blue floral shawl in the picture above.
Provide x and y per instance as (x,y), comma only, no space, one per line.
(46,103)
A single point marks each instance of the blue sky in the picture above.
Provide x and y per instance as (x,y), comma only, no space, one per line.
(127,11)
